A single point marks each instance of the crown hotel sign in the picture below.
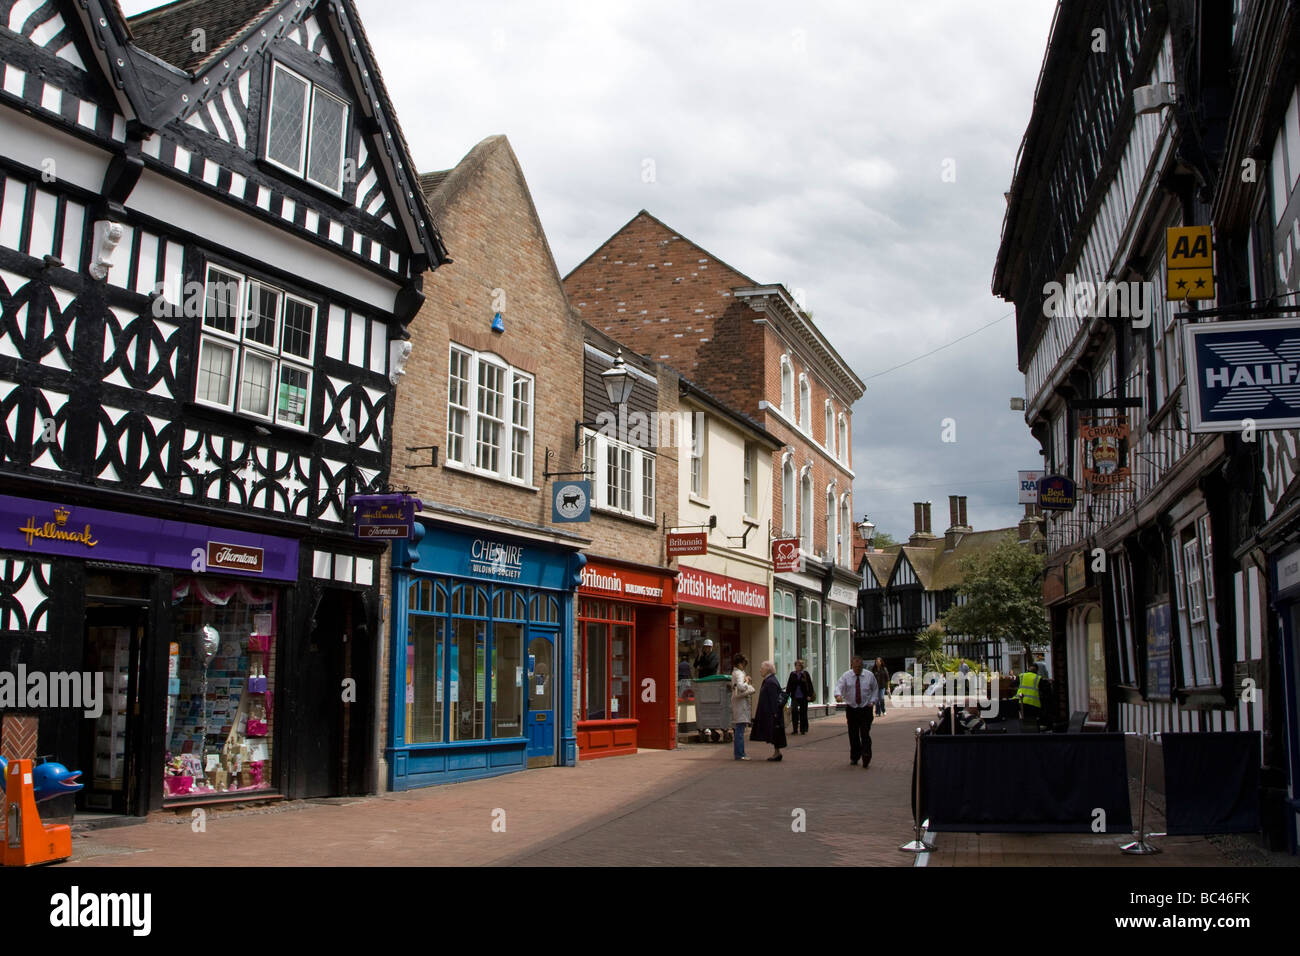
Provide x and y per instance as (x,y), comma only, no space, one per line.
(1243,374)
(1103,439)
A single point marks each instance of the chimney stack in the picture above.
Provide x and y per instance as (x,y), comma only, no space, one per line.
(921,514)
(958,528)
(1033,519)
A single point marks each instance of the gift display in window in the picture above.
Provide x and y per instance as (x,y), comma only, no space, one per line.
(221,688)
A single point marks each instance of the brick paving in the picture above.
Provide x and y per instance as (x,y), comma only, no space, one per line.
(691,806)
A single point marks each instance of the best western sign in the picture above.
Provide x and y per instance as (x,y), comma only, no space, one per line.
(1243,374)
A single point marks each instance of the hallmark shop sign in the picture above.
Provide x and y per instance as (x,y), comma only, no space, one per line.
(385,516)
(1245,373)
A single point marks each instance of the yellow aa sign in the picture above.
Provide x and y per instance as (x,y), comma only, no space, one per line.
(1189,263)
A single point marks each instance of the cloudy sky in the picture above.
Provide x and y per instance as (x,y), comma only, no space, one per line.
(806,146)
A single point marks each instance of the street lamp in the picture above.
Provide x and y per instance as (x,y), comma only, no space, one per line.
(618,389)
(867,528)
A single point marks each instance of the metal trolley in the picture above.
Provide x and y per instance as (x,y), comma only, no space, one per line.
(713,705)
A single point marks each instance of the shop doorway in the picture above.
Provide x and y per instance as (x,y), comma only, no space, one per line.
(329,728)
(540,693)
(111,754)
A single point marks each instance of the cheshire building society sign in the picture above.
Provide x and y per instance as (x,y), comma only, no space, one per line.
(1243,373)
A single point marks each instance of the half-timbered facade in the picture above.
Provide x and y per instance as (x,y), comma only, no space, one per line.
(211,241)
(1157,583)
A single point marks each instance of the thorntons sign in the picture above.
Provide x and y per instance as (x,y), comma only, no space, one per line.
(236,557)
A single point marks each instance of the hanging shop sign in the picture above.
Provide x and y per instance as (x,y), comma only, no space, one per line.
(73,531)
(385,516)
(1056,493)
(706,589)
(682,543)
(1102,441)
(786,555)
(1189,263)
(1244,374)
(1159,659)
(1028,481)
(571,502)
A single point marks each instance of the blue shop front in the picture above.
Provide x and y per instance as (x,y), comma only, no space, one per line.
(482,653)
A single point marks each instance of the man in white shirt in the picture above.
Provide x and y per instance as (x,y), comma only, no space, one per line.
(858,690)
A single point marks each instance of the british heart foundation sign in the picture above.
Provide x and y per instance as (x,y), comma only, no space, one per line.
(1102,438)
(786,556)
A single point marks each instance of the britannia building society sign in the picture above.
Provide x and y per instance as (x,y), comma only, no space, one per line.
(1243,373)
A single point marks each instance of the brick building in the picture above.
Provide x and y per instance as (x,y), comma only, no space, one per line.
(661,294)
(478,676)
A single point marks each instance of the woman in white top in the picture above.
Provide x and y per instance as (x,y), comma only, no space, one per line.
(741,692)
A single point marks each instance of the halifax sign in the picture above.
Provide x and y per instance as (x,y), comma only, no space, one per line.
(1243,373)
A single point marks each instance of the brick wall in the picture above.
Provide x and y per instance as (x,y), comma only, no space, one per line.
(669,299)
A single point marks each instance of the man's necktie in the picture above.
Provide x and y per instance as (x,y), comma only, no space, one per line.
(858,681)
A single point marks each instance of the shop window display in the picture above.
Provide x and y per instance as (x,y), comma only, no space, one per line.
(221,688)
(606,654)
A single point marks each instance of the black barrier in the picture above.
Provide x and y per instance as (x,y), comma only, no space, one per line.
(1212,782)
(1025,783)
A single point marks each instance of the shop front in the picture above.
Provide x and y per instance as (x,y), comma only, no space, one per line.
(841,608)
(1284,570)
(169,630)
(731,612)
(480,681)
(625,659)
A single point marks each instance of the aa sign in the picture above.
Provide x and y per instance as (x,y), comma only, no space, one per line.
(1189,263)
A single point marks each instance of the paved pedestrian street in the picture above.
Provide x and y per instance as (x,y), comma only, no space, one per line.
(689,807)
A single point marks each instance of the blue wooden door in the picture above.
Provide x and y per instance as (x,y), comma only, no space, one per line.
(540,694)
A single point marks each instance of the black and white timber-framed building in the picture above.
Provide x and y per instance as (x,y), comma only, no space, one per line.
(1164,597)
(211,242)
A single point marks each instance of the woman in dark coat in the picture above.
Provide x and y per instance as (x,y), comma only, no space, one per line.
(769,716)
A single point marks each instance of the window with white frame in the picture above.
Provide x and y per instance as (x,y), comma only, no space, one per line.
(805,404)
(1194,591)
(255,349)
(1166,333)
(787,388)
(806,505)
(830,428)
(623,476)
(751,463)
(306,130)
(788,524)
(489,416)
(844,439)
(699,448)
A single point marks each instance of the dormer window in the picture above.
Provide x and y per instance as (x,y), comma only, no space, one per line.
(306,129)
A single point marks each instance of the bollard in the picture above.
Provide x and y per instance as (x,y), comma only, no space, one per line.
(916,845)
(1140,847)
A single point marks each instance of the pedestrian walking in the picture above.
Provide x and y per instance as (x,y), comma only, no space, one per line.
(857,690)
(769,718)
(881,673)
(799,689)
(741,692)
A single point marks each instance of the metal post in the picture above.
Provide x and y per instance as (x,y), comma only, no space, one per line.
(1140,847)
(916,845)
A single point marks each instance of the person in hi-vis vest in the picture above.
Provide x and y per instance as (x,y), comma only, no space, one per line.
(1029,694)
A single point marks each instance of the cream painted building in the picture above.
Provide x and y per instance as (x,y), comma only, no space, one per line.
(725,493)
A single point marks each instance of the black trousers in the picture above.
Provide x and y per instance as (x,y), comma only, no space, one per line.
(798,715)
(860,719)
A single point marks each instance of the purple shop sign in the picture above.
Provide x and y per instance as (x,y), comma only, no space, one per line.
(77,532)
(385,516)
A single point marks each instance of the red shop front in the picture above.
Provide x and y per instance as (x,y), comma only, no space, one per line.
(626,663)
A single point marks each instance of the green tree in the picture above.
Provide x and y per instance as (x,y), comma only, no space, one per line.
(883,539)
(1003,593)
(929,647)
